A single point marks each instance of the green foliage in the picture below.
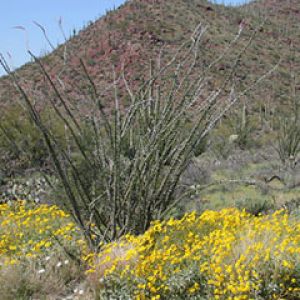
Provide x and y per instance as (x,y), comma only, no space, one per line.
(242,126)
(255,206)
(29,152)
(288,140)
(22,142)
(222,147)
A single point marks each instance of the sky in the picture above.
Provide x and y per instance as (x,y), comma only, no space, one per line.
(18,31)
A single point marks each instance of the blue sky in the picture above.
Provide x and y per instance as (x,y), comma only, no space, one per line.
(17,14)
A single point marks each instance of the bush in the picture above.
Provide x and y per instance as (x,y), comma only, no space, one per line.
(288,140)
(26,153)
(29,231)
(218,255)
(243,127)
(255,206)
(121,167)
(40,249)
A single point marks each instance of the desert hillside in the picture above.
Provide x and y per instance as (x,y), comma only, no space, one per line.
(156,155)
(135,33)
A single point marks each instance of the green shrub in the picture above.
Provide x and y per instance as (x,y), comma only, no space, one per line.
(255,206)
(22,142)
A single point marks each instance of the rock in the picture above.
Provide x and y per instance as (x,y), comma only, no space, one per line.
(233,138)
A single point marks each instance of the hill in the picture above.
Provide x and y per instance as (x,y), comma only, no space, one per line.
(135,33)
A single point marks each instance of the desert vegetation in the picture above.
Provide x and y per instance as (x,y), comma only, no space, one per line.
(179,180)
(214,255)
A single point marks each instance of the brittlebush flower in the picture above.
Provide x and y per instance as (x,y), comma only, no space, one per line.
(232,255)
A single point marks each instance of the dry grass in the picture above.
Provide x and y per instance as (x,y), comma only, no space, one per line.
(48,277)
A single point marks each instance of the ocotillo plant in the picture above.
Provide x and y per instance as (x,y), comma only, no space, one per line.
(121,168)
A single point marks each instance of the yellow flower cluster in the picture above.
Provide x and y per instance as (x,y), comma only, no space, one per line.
(27,231)
(228,254)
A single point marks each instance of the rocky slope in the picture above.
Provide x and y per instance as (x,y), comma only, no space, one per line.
(137,31)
